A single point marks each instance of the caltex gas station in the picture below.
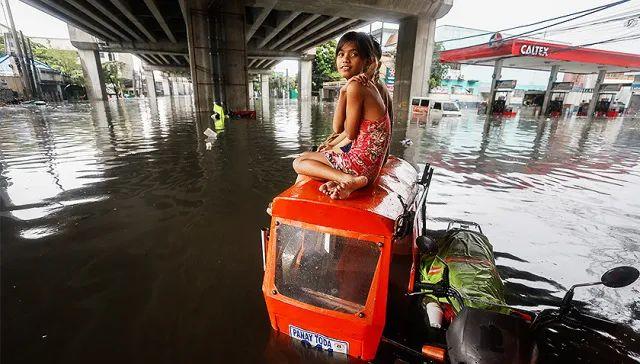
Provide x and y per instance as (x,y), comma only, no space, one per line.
(553,58)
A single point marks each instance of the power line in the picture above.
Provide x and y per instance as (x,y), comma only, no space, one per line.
(582,14)
(600,26)
(564,21)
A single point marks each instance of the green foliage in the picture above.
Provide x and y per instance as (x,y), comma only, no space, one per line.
(112,71)
(278,84)
(324,65)
(64,61)
(438,70)
(2,49)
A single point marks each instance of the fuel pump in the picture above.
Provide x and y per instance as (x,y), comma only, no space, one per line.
(556,103)
(501,96)
(603,104)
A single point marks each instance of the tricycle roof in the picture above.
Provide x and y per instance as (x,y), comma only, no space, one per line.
(372,209)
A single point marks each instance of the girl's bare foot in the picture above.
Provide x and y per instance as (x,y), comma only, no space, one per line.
(328,187)
(344,189)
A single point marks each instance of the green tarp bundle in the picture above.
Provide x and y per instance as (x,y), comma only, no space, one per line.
(472,269)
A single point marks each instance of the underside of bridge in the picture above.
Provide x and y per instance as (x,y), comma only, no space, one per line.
(222,42)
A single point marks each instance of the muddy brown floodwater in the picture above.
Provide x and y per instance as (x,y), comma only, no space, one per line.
(124,239)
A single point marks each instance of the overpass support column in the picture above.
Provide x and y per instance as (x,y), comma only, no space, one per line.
(166,90)
(230,55)
(151,85)
(305,66)
(175,90)
(413,62)
(250,90)
(497,74)
(92,70)
(547,95)
(596,93)
(90,60)
(264,88)
(197,24)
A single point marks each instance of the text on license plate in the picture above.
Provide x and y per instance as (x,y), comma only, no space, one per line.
(318,341)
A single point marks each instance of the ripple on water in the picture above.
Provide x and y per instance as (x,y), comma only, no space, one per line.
(126,218)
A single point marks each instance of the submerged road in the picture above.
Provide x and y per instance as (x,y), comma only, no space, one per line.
(125,239)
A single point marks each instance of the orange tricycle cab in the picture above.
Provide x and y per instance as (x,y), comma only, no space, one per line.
(328,262)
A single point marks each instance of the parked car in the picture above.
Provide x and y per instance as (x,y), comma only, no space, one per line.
(424,106)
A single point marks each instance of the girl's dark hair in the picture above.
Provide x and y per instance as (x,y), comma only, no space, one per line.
(362,42)
(377,49)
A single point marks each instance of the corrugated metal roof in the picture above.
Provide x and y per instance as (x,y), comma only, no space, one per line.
(5,61)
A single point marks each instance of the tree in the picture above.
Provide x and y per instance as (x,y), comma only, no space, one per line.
(324,65)
(278,83)
(64,61)
(2,49)
(438,70)
(112,71)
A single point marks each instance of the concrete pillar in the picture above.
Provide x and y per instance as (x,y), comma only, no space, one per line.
(250,90)
(166,90)
(547,94)
(596,93)
(497,74)
(87,46)
(264,83)
(59,96)
(175,91)
(304,78)
(231,53)
(151,85)
(413,62)
(265,96)
(196,16)
(93,77)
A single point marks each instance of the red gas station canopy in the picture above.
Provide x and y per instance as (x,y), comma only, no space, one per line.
(541,56)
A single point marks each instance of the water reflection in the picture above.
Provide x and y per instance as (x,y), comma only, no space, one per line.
(556,194)
(121,230)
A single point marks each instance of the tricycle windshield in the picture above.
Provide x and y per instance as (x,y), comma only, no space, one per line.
(324,270)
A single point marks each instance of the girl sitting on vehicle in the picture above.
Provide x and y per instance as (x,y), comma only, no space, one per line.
(366,127)
(372,75)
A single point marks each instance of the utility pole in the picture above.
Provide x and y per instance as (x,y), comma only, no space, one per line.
(36,74)
(16,42)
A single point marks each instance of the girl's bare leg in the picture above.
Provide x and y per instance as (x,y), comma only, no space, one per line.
(316,165)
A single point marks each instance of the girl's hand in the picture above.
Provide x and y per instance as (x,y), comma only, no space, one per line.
(362,78)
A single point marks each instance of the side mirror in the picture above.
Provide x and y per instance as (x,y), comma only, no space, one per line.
(620,276)
(614,278)
(426,245)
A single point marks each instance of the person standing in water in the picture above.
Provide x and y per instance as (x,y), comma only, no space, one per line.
(366,126)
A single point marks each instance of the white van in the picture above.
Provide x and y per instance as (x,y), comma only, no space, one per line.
(424,106)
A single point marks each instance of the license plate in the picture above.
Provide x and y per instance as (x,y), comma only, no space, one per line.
(318,341)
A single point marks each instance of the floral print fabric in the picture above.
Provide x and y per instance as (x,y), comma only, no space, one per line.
(368,151)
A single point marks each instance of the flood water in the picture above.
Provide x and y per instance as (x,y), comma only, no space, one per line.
(126,239)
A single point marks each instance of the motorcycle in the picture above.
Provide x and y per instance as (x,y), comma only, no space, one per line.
(344,276)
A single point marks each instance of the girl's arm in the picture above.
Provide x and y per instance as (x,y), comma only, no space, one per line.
(338,139)
(355,100)
(341,107)
(339,114)
(345,140)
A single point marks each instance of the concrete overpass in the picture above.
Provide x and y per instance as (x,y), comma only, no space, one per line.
(222,42)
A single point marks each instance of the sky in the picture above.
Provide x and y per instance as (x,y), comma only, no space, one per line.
(490,15)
